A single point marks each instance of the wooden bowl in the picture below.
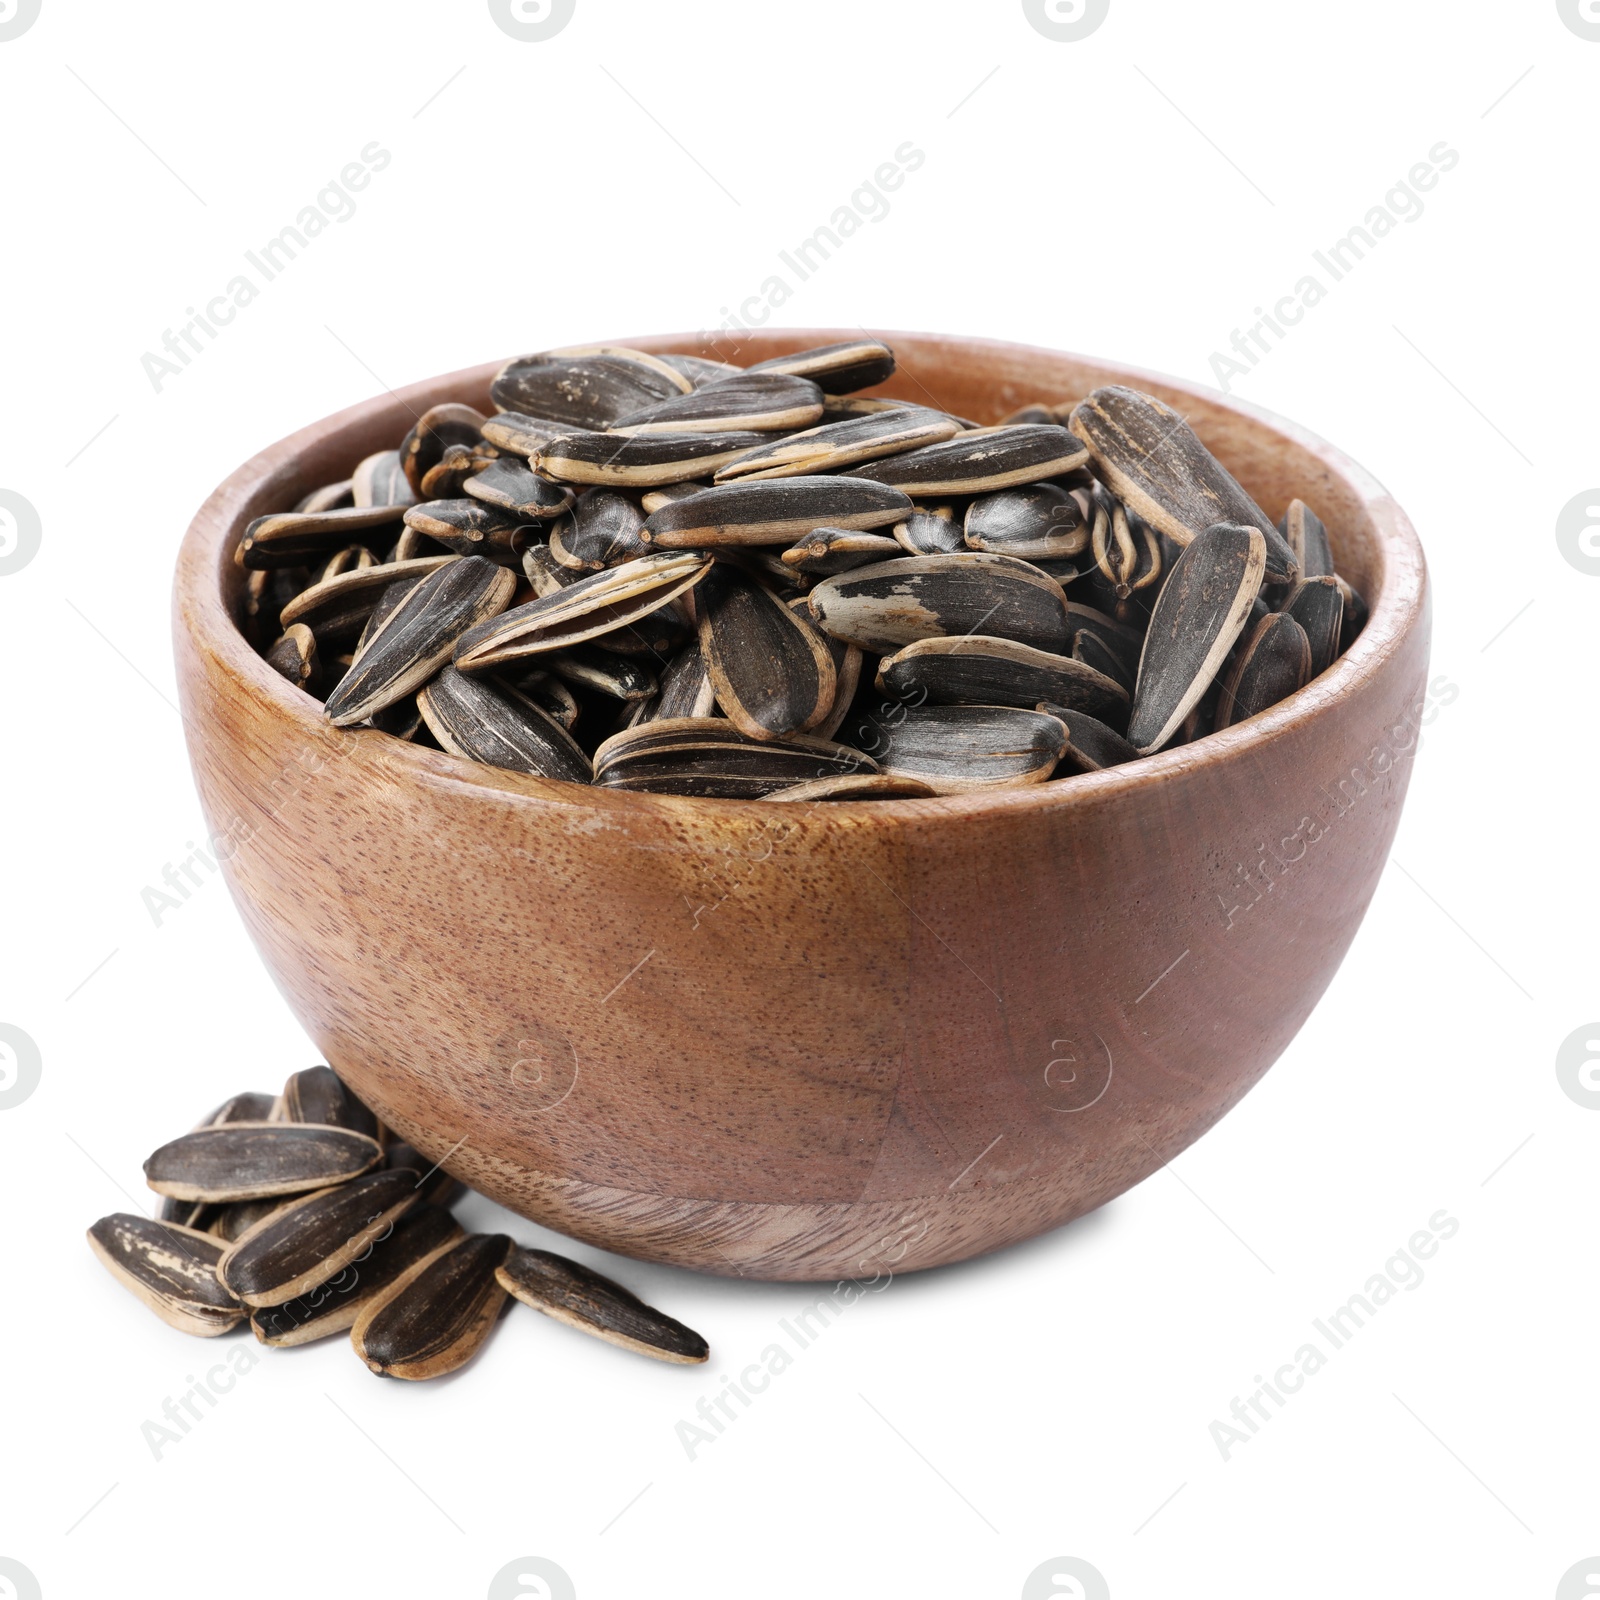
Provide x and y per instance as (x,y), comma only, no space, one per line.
(809,1042)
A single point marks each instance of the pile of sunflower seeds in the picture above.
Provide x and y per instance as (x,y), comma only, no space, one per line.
(667,573)
(301,1213)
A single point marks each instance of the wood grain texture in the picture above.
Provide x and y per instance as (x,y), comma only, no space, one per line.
(807,1042)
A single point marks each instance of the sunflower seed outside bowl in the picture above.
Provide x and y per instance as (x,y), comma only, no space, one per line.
(173,1270)
(435,1186)
(258,1160)
(437,1315)
(582,1299)
(318,1094)
(334,1305)
(305,1243)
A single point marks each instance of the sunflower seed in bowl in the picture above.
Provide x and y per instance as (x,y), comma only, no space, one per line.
(670,574)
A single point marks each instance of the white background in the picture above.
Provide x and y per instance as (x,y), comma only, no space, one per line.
(1133,195)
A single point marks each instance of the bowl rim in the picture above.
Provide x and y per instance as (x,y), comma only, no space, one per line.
(201,610)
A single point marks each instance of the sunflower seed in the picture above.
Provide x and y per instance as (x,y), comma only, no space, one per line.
(654,499)
(292,538)
(544,573)
(1201,610)
(589,391)
(1355,614)
(836,445)
(698,370)
(1038,521)
(500,727)
(980,461)
(977,671)
(1155,462)
(314,1238)
(1092,747)
(773,671)
(435,1186)
(353,558)
(520,434)
(435,1317)
(541,686)
(338,610)
(234,1221)
(172,1269)
(318,1094)
(258,1160)
(433,433)
(330,497)
(757,402)
(584,610)
(402,720)
(1032,414)
(584,1300)
(1317,605)
(1302,529)
(294,657)
(837,368)
(446,478)
(954,749)
(928,532)
(1274,663)
(390,596)
(841,407)
(593,667)
(1122,643)
(825,551)
(857,786)
(601,530)
(419,638)
(471,528)
(669,371)
(251,1106)
(1092,650)
(380,480)
(773,512)
(711,758)
(510,484)
(686,687)
(333,1306)
(894,603)
(642,460)
(847,664)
